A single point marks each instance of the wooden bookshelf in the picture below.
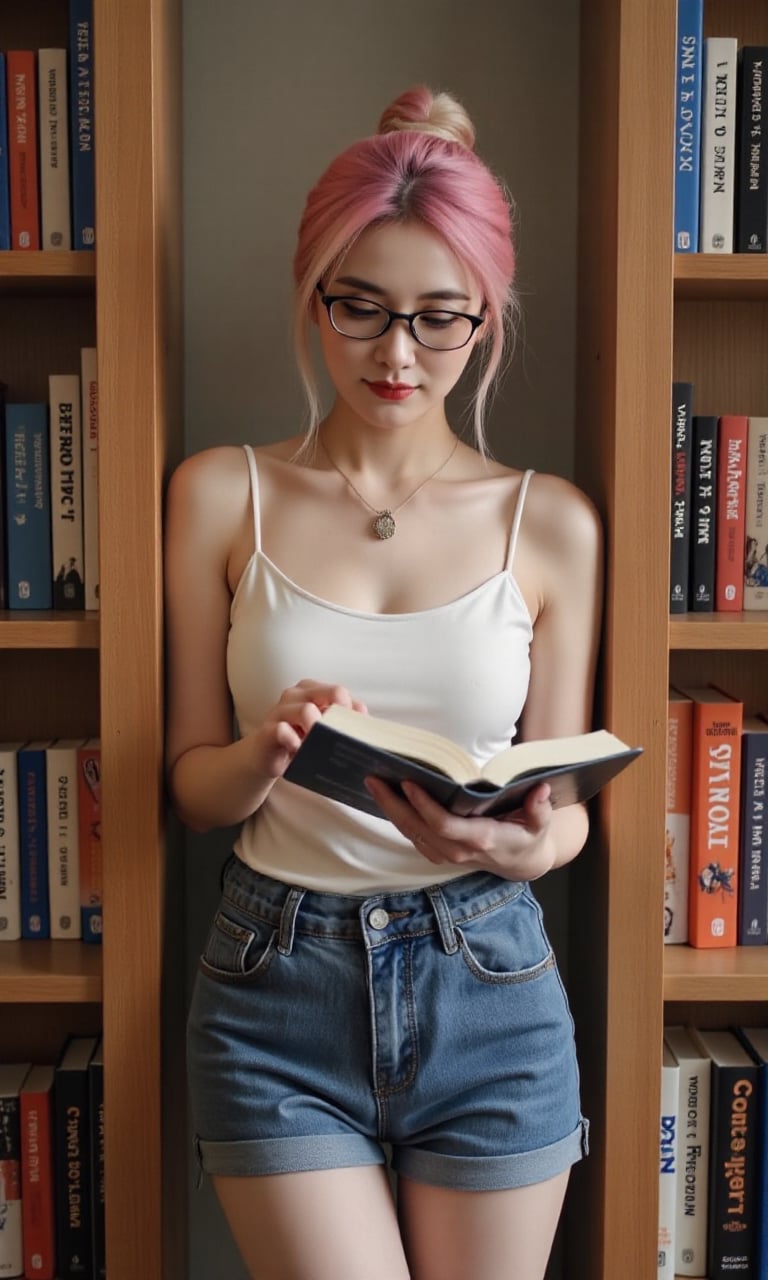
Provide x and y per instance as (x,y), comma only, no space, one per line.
(47,272)
(705,976)
(45,972)
(715,276)
(38,630)
(738,631)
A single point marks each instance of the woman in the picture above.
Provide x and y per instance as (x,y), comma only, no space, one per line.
(383,980)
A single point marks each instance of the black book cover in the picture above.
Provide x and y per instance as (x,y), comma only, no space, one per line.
(751,153)
(3,505)
(680,526)
(703,514)
(753,848)
(96,1086)
(72,1165)
(733,1157)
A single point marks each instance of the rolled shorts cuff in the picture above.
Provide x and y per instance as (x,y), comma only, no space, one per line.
(492,1173)
(260,1157)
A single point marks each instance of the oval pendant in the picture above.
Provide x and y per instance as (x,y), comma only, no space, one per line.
(384,525)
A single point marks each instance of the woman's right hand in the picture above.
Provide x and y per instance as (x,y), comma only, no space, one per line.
(289,721)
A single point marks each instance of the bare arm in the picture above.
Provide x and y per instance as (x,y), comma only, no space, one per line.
(215,781)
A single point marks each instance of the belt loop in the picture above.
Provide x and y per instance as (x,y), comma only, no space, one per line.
(444,920)
(288,921)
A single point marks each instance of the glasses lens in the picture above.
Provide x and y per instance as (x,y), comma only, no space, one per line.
(356,318)
(442,330)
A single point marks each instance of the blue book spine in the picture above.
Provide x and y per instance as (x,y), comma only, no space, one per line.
(82,124)
(33,842)
(5,190)
(753,845)
(28,495)
(688,97)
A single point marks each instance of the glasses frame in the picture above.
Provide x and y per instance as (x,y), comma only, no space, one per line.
(328,300)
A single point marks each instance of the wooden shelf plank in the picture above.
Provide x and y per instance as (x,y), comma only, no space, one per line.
(48,972)
(703,276)
(732,973)
(48,630)
(745,631)
(47,271)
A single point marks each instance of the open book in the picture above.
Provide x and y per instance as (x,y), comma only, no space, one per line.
(344,747)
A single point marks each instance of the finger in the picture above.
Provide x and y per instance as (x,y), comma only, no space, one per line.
(537,808)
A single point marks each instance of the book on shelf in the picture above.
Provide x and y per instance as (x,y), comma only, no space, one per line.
(33,840)
(718,145)
(22,149)
(691,1215)
(668,1164)
(53,113)
(81,73)
(344,747)
(703,514)
(678,816)
(63,837)
(731,486)
(10,868)
(72,1158)
(89,384)
(688,95)
(751,155)
(37,1184)
(5,194)
(734,1137)
(89,843)
(66,479)
(28,496)
(680,508)
(756,516)
(755,1041)
(11,1240)
(715,783)
(3,505)
(96,1103)
(753,869)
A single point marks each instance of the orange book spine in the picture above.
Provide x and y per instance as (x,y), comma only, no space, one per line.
(89,838)
(37,1190)
(23,173)
(715,783)
(731,513)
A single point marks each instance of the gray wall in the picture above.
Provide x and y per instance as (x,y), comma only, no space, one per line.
(272,92)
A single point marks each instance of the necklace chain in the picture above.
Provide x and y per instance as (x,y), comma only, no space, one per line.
(384,525)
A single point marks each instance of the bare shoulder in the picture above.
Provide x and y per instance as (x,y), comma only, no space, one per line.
(561,520)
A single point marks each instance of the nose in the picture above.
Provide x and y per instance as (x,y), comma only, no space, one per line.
(397,347)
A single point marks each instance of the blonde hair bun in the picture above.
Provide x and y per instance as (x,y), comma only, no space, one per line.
(422,111)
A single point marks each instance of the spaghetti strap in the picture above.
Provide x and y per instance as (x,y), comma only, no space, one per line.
(254,474)
(517,518)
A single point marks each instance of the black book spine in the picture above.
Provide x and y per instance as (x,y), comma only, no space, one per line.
(680,527)
(73,1175)
(96,1074)
(733,1141)
(751,154)
(703,514)
(753,850)
(3,505)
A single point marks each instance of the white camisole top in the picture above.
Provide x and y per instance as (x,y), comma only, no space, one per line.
(461,669)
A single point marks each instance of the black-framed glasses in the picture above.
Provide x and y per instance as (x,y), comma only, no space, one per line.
(440,330)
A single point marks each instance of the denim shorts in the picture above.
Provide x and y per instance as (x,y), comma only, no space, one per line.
(433,1022)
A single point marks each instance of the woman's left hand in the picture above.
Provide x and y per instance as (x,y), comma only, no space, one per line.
(516,846)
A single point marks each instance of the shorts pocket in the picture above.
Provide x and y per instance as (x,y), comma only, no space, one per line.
(238,952)
(508,944)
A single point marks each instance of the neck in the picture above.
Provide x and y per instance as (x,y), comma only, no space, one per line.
(389,456)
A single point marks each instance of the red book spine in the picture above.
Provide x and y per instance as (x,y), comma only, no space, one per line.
(37,1188)
(715,784)
(23,165)
(731,502)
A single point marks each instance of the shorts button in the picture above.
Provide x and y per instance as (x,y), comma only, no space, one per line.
(379,918)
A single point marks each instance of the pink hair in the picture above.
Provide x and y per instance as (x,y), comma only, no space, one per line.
(419,172)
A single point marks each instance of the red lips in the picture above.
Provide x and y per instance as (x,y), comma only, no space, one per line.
(391,390)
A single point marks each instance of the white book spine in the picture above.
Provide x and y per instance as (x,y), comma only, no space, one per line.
(670,1088)
(756,516)
(90,449)
(54,149)
(10,872)
(693,1154)
(718,145)
(63,838)
(66,491)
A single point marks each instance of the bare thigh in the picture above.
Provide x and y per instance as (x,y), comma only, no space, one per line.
(488,1235)
(338,1224)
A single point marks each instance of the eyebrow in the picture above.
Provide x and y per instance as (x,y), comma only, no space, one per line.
(442,295)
